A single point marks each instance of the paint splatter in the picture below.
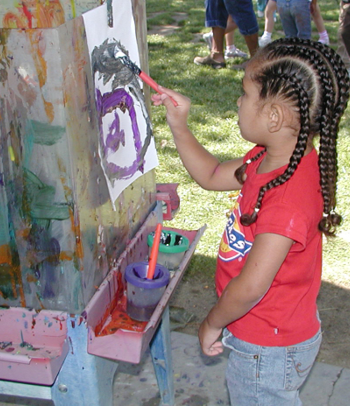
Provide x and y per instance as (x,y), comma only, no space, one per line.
(5,344)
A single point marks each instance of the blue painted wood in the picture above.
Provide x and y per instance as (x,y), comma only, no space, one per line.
(10,388)
(84,379)
(160,347)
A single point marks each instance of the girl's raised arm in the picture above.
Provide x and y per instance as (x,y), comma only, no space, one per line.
(203,167)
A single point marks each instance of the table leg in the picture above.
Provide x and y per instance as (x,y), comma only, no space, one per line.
(162,360)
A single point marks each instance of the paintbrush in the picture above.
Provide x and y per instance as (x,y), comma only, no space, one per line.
(152,263)
(137,71)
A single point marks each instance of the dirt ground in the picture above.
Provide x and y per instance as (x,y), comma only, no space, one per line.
(194,298)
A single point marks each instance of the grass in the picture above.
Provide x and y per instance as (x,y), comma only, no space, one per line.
(213,119)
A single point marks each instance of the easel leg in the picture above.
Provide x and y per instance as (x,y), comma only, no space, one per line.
(162,360)
(84,379)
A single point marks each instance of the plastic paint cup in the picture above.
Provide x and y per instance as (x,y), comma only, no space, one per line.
(172,248)
(143,295)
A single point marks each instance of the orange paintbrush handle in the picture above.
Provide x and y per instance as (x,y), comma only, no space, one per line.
(154,252)
(153,84)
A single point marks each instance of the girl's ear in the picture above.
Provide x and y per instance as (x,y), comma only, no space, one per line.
(275,117)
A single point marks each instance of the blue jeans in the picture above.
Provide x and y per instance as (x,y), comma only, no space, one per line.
(268,376)
(241,11)
(295,18)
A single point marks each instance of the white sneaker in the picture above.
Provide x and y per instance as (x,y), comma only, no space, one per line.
(264,41)
(208,38)
(326,41)
(237,53)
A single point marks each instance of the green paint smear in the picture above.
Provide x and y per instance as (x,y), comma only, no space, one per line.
(40,200)
(46,134)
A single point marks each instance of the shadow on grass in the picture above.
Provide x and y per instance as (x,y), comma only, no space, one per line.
(201,267)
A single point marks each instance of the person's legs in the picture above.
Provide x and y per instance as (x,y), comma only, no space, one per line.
(287,19)
(217,48)
(270,15)
(252,43)
(270,10)
(242,13)
(319,23)
(230,31)
(215,13)
(302,16)
(231,50)
(268,376)
(215,17)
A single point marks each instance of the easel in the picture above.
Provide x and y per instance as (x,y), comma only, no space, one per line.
(85,378)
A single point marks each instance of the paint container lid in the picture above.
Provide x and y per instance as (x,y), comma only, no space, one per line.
(171,242)
(136,274)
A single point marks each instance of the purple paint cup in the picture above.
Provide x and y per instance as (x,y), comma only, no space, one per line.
(143,295)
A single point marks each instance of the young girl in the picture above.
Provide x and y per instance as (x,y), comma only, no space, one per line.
(269,264)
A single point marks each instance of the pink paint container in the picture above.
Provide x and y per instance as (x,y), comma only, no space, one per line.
(144,294)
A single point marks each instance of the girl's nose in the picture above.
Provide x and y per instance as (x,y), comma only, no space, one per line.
(239,101)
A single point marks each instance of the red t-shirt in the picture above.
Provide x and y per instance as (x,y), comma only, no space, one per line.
(287,314)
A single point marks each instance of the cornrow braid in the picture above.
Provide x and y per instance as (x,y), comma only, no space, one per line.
(325,108)
(330,218)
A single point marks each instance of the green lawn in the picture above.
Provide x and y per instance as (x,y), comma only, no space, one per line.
(213,121)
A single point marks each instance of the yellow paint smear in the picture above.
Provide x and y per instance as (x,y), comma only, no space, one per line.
(12,154)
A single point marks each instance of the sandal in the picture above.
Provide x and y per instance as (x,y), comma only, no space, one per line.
(210,62)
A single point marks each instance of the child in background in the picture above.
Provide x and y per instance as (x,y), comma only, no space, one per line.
(270,11)
(269,264)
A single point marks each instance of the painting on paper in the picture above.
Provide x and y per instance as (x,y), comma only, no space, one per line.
(126,144)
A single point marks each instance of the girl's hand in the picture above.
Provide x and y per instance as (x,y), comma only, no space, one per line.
(176,115)
(208,339)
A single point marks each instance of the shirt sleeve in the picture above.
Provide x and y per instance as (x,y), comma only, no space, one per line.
(284,220)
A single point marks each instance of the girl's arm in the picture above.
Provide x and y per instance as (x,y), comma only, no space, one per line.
(203,167)
(246,290)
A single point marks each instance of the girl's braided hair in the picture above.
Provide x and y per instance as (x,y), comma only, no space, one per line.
(312,77)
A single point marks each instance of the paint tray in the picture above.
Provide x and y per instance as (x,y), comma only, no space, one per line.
(130,340)
(33,345)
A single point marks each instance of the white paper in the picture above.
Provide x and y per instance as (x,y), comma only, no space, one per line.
(126,146)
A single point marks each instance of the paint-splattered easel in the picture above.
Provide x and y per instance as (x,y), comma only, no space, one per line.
(63,248)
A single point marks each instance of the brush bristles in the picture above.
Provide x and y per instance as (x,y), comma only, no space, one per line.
(127,62)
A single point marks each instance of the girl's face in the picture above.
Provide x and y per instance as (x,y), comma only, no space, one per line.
(251,113)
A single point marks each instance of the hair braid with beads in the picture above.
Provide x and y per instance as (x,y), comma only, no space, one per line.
(312,77)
